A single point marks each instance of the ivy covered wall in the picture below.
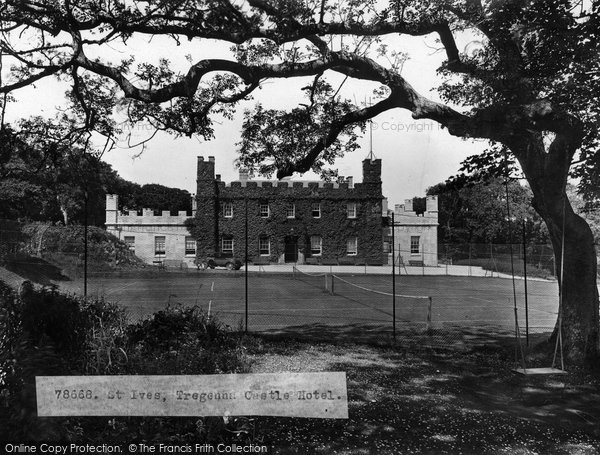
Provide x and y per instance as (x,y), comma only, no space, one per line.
(333,226)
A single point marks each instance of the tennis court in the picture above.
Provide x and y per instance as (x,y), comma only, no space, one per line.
(301,302)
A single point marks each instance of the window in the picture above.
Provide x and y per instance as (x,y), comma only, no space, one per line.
(228,209)
(264,210)
(227,245)
(316,246)
(316,210)
(130,241)
(264,248)
(352,246)
(414,244)
(351,209)
(190,246)
(291,210)
(386,247)
(159,244)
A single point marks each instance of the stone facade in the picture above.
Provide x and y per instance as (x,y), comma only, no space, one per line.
(416,235)
(153,238)
(299,222)
(287,221)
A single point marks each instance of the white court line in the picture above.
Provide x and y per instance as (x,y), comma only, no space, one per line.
(118,289)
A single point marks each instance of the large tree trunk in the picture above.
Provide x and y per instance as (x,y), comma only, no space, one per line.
(578,291)
(546,172)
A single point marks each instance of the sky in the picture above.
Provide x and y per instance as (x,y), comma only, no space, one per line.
(415,154)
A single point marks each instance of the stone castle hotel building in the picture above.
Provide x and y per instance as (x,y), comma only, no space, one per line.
(287,222)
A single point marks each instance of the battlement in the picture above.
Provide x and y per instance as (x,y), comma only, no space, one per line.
(206,173)
(147,216)
(287,184)
(404,213)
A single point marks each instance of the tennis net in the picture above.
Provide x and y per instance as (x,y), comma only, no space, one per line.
(408,308)
(317,280)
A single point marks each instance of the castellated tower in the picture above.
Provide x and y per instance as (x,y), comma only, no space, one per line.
(372,176)
(207,209)
(371,183)
(372,171)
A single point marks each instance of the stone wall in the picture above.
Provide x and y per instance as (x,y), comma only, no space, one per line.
(146,227)
(408,224)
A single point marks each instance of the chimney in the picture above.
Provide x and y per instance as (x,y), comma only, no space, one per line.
(112,205)
(408,205)
(194,205)
(112,202)
(244,175)
(350,181)
(211,159)
(432,204)
(432,207)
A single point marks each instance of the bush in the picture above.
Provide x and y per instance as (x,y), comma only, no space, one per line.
(183,340)
(25,354)
(64,246)
(44,332)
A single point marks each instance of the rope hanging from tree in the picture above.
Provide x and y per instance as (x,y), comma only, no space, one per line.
(560,295)
(518,345)
(558,348)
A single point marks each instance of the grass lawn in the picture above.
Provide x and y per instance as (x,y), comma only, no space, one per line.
(433,401)
(280,302)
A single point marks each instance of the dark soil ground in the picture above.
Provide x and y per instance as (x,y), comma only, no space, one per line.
(433,402)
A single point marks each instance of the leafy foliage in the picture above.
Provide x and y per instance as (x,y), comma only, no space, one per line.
(39,184)
(42,252)
(43,332)
(157,197)
(184,340)
(478,213)
(554,48)
(271,138)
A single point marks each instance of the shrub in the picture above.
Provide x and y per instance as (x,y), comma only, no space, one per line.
(64,247)
(21,359)
(185,341)
(44,332)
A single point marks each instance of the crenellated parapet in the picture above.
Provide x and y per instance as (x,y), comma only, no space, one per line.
(116,217)
(404,213)
(283,184)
